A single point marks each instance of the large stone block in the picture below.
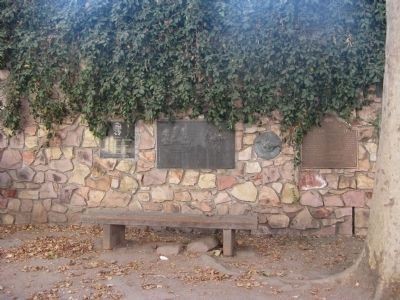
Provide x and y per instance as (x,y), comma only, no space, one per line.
(162,193)
(270,174)
(222,197)
(7,219)
(53,153)
(190,178)
(364,182)
(24,174)
(128,184)
(95,198)
(89,140)
(239,209)
(278,221)
(101,183)
(175,176)
(303,220)
(84,156)
(125,165)
(268,197)
(203,245)
(74,137)
(116,199)
(311,180)
(225,182)
(207,181)
(57,177)
(311,198)
(61,165)
(5,180)
(333,200)
(155,177)
(245,192)
(146,136)
(57,218)
(17,141)
(252,167)
(79,174)
(361,217)
(290,194)
(11,159)
(47,191)
(39,213)
(354,198)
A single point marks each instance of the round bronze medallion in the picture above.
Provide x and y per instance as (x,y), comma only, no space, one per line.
(267,145)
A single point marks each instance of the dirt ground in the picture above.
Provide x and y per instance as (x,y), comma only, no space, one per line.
(56,262)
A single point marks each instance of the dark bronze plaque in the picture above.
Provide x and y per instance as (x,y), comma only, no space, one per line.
(194,145)
(268,145)
(119,142)
(331,146)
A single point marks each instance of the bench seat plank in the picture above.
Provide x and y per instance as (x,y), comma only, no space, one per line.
(118,217)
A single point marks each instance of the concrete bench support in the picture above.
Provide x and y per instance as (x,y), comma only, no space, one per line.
(228,242)
(113,235)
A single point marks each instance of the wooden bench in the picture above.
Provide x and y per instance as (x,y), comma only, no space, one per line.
(115,220)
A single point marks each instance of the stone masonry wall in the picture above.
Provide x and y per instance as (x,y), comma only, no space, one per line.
(57,183)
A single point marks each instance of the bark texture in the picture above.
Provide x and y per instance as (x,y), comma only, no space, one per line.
(384,230)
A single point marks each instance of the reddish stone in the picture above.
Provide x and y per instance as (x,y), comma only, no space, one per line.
(333,200)
(155,177)
(270,174)
(311,180)
(225,182)
(311,198)
(28,157)
(11,159)
(354,198)
(9,193)
(321,212)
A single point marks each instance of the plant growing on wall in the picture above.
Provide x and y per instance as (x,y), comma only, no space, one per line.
(228,60)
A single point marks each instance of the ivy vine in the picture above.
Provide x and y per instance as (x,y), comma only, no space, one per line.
(228,60)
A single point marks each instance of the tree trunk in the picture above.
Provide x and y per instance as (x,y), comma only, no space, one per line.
(383,243)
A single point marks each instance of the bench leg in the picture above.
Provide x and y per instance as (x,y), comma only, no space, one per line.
(228,241)
(113,235)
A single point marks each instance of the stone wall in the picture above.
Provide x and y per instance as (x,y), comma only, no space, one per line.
(56,183)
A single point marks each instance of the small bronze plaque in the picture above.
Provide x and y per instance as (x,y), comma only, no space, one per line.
(119,142)
(331,146)
(194,145)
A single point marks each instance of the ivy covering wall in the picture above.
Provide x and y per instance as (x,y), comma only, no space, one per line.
(227,60)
